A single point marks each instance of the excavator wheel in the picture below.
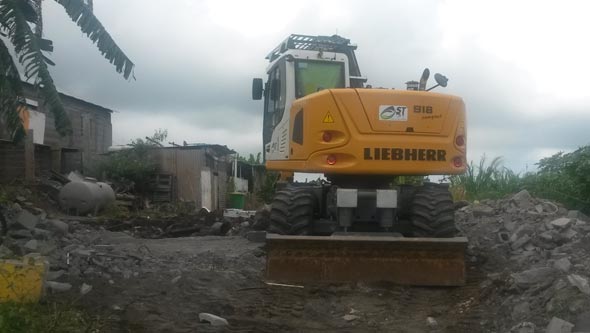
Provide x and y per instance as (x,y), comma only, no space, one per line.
(292,212)
(432,212)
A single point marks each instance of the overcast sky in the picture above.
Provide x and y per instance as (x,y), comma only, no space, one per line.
(522,67)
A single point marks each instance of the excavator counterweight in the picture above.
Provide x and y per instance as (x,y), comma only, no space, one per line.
(359,223)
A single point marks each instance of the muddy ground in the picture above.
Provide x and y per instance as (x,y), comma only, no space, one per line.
(179,278)
(528,265)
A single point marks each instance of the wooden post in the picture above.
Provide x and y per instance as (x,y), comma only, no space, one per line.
(29,157)
(56,159)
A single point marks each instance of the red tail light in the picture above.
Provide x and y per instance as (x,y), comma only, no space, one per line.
(327,136)
(458,162)
(460,140)
(331,159)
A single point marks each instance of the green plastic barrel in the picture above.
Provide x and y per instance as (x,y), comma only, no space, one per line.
(237,200)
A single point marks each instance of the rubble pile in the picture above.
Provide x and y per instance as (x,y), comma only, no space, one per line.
(535,257)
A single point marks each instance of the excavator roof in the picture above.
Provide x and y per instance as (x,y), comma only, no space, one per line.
(332,43)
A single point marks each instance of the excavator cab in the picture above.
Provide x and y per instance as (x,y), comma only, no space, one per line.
(319,117)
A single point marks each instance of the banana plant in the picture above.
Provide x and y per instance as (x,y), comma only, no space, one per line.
(21,31)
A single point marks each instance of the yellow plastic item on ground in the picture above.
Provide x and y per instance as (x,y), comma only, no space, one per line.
(22,280)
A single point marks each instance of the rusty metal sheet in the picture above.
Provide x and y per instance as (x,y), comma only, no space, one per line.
(408,261)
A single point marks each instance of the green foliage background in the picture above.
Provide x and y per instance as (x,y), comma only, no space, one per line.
(563,177)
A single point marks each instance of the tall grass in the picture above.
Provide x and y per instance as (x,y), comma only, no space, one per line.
(485,180)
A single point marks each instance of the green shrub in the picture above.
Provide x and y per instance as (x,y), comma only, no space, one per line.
(564,177)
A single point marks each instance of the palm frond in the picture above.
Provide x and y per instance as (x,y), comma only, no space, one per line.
(82,14)
(11,92)
(29,50)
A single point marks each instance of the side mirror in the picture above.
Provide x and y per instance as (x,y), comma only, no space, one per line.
(441,79)
(257,89)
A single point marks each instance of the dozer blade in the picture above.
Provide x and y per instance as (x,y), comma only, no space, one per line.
(408,261)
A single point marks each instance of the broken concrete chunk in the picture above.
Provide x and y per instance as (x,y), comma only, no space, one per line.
(219,228)
(20,234)
(25,220)
(563,265)
(524,327)
(256,236)
(576,214)
(569,234)
(480,210)
(212,319)
(561,223)
(85,289)
(579,282)
(58,286)
(533,276)
(559,326)
(522,199)
(431,322)
(5,252)
(54,275)
(31,245)
(582,324)
(58,226)
(41,234)
(520,242)
(350,317)
(521,310)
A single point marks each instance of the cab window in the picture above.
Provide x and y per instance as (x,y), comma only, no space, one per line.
(312,76)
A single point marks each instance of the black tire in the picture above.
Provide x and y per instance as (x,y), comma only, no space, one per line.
(433,213)
(292,212)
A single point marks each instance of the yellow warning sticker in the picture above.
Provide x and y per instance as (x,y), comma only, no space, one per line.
(328,118)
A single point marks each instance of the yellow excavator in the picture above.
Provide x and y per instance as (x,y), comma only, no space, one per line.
(321,117)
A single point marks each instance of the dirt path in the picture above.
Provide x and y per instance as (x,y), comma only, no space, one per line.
(178,278)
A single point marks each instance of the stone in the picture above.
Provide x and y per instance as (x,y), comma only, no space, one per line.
(20,198)
(176,279)
(522,199)
(524,327)
(20,234)
(521,310)
(563,265)
(212,319)
(16,207)
(533,276)
(576,214)
(557,325)
(546,236)
(58,226)
(480,210)
(25,220)
(520,242)
(54,275)
(579,282)
(58,286)
(561,223)
(41,234)
(350,317)
(539,208)
(31,245)
(256,236)
(569,234)
(431,322)
(5,252)
(85,288)
(217,229)
(582,323)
